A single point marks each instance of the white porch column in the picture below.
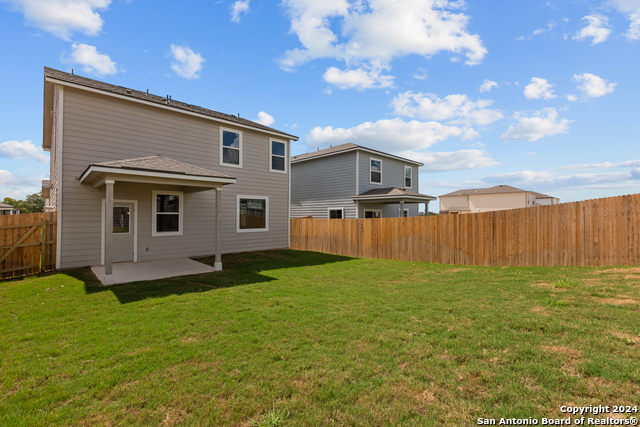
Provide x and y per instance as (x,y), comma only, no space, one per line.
(218,262)
(401,208)
(108,234)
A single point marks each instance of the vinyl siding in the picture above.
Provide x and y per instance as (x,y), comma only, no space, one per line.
(392,173)
(320,184)
(53,154)
(99,128)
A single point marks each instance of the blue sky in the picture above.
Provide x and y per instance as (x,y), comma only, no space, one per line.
(541,95)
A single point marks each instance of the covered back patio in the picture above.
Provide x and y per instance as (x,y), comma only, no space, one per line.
(120,217)
(386,196)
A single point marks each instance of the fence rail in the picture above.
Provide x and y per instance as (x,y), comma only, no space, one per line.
(592,232)
(27,244)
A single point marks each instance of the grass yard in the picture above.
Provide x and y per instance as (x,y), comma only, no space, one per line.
(309,339)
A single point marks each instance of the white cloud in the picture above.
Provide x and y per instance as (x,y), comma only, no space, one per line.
(605,165)
(63,17)
(265,119)
(539,88)
(18,187)
(592,85)
(238,8)
(454,160)
(92,61)
(550,26)
(632,9)
(187,62)
(547,180)
(388,135)
(455,109)
(374,32)
(598,29)
(420,74)
(19,150)
(357,79)
(542,124)
(572,98)
(487,85)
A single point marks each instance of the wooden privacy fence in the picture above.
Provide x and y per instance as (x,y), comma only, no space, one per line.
(27,244)
(591,232)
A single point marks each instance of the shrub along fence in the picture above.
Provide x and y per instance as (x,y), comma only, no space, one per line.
(27,244)
(591,232)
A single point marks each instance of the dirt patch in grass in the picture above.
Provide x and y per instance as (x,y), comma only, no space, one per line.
(616,301)
(627,337)
(562,350)
(630,270)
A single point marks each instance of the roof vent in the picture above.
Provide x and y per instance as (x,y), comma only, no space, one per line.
(128,91)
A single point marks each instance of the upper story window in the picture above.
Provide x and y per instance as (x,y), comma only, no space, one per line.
(167,214)
(407,176)
(336,213)
(277,156)
(376,171)
(230,147)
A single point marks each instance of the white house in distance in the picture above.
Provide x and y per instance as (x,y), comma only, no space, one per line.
(6,209)
(496,198)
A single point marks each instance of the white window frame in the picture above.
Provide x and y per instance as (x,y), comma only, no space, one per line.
(404,177)
(334,209)
(405,211)
(364,213)
(370,171)
(154,206)
(252,230)
(285,158)
(239,132)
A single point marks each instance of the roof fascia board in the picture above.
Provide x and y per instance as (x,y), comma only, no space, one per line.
(177,177)
(377,153)
(152,104)
(374,198)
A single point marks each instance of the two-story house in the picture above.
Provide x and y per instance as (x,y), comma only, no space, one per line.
(499,197)
(139,177)
(351,181)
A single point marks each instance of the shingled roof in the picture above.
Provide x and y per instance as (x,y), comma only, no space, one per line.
(498,189)
(349,146)
(155,99)
(159,164)
(390,192)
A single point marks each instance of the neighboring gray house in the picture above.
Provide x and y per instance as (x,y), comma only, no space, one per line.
(139,177)
(351,181)
(6,209)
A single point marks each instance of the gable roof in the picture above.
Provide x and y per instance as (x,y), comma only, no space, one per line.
(159,164)
(391,192)
(6,206)
(498,189)
(343,148)
(56,76)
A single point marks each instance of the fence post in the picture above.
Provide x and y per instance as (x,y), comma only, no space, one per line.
(43,242)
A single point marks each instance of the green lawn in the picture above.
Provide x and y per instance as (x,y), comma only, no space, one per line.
(317,340)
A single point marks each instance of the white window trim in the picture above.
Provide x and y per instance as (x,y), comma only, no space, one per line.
(239,132)
(406,211)
(154,206)
(251,230)
(135,227)
(334,209)
(364,212)
(286,157)
(405,176)
(370,170)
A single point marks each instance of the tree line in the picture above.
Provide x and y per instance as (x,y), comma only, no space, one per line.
(32,203)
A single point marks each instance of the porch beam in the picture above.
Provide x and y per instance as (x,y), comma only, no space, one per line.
(218,261)
(108,233)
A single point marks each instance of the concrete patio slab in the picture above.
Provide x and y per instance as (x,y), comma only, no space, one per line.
(126,272)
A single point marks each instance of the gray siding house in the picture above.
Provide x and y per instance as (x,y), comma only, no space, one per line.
(139,177)
(351,181)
